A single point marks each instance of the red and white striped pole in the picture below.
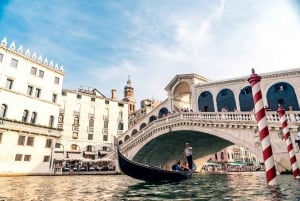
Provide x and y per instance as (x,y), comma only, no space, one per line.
(288,141)
(254,81)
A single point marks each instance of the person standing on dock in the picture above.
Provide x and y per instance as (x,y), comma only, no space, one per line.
(188,155)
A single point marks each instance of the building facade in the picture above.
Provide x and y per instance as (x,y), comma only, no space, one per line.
(44,127)
(30,90)
(89,122)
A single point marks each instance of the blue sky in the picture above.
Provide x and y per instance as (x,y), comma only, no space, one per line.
(101,43)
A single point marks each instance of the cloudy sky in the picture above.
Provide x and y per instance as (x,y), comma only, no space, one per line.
(101,43)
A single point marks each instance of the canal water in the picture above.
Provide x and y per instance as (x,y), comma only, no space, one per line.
(232,186)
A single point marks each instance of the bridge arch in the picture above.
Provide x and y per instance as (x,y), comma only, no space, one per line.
(284,94)
(225,99)
(134,132)
(152,118)
(182,95)
(163,112)
(246,99)
(206,102)
(143,125)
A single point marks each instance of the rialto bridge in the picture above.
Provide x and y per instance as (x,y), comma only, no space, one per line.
(212,115)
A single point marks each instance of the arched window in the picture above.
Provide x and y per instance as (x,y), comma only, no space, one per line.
(33,118)
(61,118)
(51,121)
(121,126)
(143,125)
(126,138)
(246,99)
(225,100)
(25,115)
(91,122)
(152,118)
(3,110)
(205,102)
(134,132)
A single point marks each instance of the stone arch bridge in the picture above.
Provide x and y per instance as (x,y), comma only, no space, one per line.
(162,141)
(212,115)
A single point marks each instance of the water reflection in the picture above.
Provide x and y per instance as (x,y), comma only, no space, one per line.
(239,186)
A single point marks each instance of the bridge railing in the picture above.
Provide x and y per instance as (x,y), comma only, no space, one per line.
(220,117)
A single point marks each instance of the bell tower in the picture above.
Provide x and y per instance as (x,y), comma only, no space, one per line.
(129,96)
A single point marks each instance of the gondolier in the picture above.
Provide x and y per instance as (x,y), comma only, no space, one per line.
(189,155)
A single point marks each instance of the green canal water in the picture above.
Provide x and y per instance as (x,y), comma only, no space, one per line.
(233,186)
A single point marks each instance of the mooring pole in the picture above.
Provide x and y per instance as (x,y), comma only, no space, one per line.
(288,141)
(260,114)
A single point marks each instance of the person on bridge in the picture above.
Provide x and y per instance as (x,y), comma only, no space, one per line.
(189,155)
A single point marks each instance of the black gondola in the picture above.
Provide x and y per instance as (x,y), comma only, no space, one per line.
(150,173)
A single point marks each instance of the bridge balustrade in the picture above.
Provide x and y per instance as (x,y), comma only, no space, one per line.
(216,117)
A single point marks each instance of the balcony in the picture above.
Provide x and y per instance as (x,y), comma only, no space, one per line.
(14,125)
(105,131)
(75,127)
(75,135)
(76,114)
(91,116)
(90,129)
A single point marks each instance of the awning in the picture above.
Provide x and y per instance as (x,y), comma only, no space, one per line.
(240,163)
(90,152)
(104,160)
(74,156)
(58,156)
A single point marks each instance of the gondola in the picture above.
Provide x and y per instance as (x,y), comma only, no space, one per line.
(150,173)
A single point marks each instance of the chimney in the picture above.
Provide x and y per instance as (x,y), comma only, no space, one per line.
(114,94)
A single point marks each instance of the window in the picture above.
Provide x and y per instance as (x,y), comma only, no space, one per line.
(91,123)
(1,137)
(51,121)
(9,83)
(14,63)
(78,96)
(76,120)
(27,157)
(41,74)
(60,118)
(54,97)
(74,147)
(75,135)
(25,116)
(33,71)
(48,143)
(89,148)
(29,90)
(21,140)
(64,93)
(105,124)
(18,157)
(30,141)
(33,118)
(93,99)
(3,110)
(56,80)
(1,58)
(90,136)
(37,92)
(105,137)
(46,159)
